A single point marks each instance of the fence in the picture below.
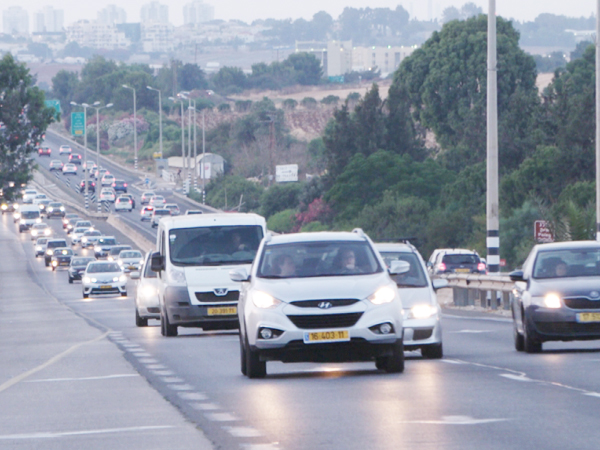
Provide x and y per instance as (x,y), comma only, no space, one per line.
(487,291)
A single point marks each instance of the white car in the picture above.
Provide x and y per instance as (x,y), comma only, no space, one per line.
(107,195)
(130,260)
(422,327)
(40,246)
(146,196)
(173,208)
(320,297)
(65,150)
(158,214)
(90,238)
(103,277)
(69,169)
(40,230)
(77,234)
(107,180)
(38,198)
(158,201)
(29,195)
(147,304)
(123,204)
(146,213)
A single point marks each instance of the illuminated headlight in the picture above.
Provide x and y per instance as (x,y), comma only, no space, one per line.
(47,231)
(62,208)
(87,280)
(383,295)
(148,291)
(16,206)
(50,208)
(54,263)
(48,252)
(16,215)
(264,301)
(120,263)
(97,249)
(4,206)
(34,232)
(110,258)
(122,278)
(84,240)
(38,248)
(141,261)
(422,312)
(65,221)
(22,221)
(38,220)
(552,301)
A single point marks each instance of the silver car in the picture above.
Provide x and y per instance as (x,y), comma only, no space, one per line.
(319,297)
(40,246)
(104,277)
(147,304)
(557,295)
(422,326)
(77,234)
(130,260)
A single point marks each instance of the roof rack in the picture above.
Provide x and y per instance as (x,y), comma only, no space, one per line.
(360,232)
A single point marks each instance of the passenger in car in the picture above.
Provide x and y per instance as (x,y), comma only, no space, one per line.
(284,266)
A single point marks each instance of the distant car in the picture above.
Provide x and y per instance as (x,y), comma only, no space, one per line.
(113,253)
(107,195)
(107,180)
(51,245)
(103,277)
(123,204)
(44,151)
(158,201)
(146,196)
(77,234)
(71,225)
(158,214)
(68,217)
(9,207)
(43,205)
(77,267)
(90,238)
(75,158)
(29,195)
(131,197)
(55,209)
(94,172)
(40,246)
(61,257)
(69,169)
(146,297)
(130,260)
(65,150)
(120,186)
(38,198)
(456,260)
(101,172)
(146,213)
(91,186)
(193,211)
(173,208)
(56,164)
(40,230)
(103,246)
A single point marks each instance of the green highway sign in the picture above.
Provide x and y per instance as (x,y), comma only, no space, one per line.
(77,124)
(53,104)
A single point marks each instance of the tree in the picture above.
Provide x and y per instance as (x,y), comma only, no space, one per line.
(229,80)
(369,121)
(279,197)
(339,141)
(226,192)
(191,77)
(322,25)
(24,120)
(307,68)
(64,88)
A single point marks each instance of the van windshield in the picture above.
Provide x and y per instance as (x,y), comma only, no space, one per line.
(214,246)
(30,214)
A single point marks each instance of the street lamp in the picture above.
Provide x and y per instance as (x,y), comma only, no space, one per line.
(98,108)
(183,159)
(135,157)
(85,107)
(159,118)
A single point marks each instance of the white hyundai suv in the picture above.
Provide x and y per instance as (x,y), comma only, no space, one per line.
(319,297)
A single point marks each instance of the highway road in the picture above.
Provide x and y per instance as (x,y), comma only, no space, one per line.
(481,395)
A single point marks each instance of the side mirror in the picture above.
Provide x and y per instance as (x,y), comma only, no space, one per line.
(517,275)
(239,275)
(439,283)
(135,275)
(398,267)
(157,262)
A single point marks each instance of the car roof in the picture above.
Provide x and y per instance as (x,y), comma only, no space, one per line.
(567,245)
(207,220)
(394,247)
(317,237)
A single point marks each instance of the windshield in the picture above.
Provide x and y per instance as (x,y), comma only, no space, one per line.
(117,250)
(107,241)
(318,259)
(461,259)
(162,212)
(103,268)
(83,224)
(92,233)
(130,255)
(63,252)
(415,277)
(54,244)
(584,262)
(213,246)
(81,261)
(30,214)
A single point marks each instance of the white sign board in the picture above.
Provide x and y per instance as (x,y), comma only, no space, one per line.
(286,173)
(205,170)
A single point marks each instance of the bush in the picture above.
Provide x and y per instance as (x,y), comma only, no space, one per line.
(290,104)
(308,103)
(314,226)
(331,100)
(283,221)
(224,108)
(279,198)
(225,193)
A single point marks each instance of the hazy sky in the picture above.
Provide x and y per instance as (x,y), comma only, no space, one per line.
(249,10)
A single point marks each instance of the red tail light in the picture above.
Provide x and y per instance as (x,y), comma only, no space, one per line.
(481,267)
(442,267)
(125,184)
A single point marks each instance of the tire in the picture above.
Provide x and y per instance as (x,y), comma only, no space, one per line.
(166,329)
(255,368)
(139,322)
(46,263)
(243,357)
(85,295)
(519,340)
(434,351)
(395,362)
(53,269)
(124,294)
(380,363)
(70,280)
(530,344)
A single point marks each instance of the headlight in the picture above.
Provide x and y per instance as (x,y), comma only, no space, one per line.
(148,291)
(141,261)
(38,220)
(422,311)
(16,206)
(110,258)
(50,209)
(4,206)
(16,215)
(177,276)
(49,252)
(62,208)
(97,249)
(84,240)
(47,231)
(34,232)
(22,221)
(70,227)
(552,300)
(87,280)
(383,295)
(54,263)
(264,301)
(38,248)
(122,278)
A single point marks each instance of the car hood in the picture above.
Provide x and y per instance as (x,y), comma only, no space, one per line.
(207,278)
(567,287)
(317,288)
(412,296)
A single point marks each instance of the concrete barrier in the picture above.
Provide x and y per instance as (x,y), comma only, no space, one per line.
(138,239)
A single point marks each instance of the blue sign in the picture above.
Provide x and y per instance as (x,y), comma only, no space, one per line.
(77,124)
(53,104)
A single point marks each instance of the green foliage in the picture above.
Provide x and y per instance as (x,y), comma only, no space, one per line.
(226,192)
(308,103)
(229,80)
(551,30)
(314,227)
(551,62)
(224,108)
(290,104)
(283,221)
(517,233)
(279,197)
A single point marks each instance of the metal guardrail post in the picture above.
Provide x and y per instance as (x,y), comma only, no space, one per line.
(506,297)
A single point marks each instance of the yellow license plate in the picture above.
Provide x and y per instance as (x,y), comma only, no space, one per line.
(588,317)
(106,286)
(131,267)
(326,336)
(462,270)
(223,311)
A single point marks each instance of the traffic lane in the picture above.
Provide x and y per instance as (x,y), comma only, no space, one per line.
(69,389)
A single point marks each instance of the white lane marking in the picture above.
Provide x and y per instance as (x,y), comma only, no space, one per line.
(148,361)
(181,387)
(204,406)
(452,361)
(488,319)
(172,380)
(163,373)
(472,331)
(592,394)
(511,376)
(243,431)
(220,417)
(4,386)
(455,420)
(51,435)
(273,446)
(106,377)
(141,354)
(192,396)
(156,367)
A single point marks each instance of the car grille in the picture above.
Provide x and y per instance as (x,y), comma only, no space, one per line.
(211,297)
(315,303)
(581,303)
(311,322)
(568,328)
(423,333)
(112,290)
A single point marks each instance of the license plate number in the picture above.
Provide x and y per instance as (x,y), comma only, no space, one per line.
(131,267)
(223,311)
(106,286)
(462,270)
(588,317)
(326,336)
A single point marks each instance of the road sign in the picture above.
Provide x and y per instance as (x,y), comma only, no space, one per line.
(288,172)
(542,232)
(53,104)
(77,124)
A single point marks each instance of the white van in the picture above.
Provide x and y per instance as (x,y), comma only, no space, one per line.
(30,214)
(194,256)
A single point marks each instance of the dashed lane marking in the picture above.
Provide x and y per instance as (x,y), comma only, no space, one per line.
(192,396)
(220,417)
(204,406)
(244,432)
(53,435)
(105,377)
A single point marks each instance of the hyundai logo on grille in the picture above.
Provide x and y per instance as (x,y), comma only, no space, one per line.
(220,292)
(325,305)
(595,295)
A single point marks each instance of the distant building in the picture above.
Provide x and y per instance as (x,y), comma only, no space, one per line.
(339,58)
(316,48)
(154,12)
(111,15)
(198,12)
(15,20)
(97,35)
(157,37)
(48,20)
(133,31)
(385,59)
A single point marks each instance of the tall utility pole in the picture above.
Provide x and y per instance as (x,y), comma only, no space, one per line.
(98,108)
(159,119)
(195,149)
(493,213)
(598,120)
(85,107)
(203,156)
(135,146)
(189,174)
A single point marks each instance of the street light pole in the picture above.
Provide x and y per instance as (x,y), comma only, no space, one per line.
(135,146)
(85,107)
(98,108)
(159,119)
(598,120)
(189,174)
(195,149)
(203,156)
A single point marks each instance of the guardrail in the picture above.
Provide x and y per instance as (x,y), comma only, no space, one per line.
(480,290)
